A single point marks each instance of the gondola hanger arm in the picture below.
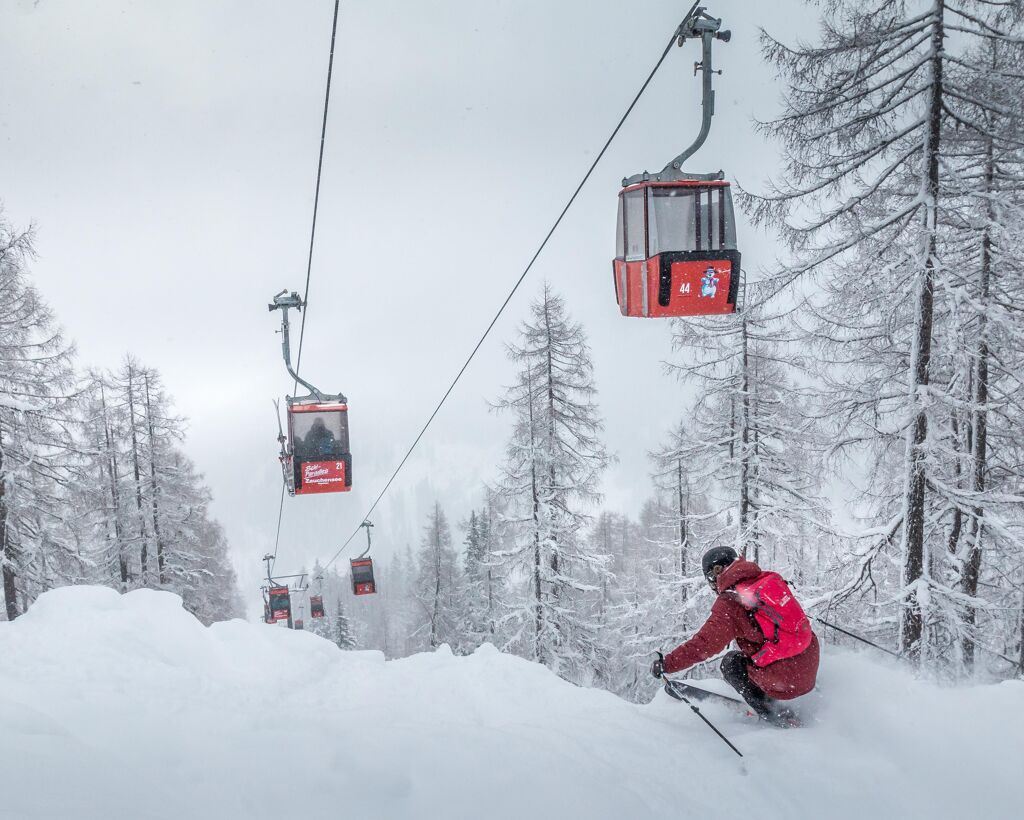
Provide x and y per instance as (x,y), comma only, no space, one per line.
(285,301)
(697,25)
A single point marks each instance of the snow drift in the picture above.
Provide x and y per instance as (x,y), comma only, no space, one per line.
(125,706)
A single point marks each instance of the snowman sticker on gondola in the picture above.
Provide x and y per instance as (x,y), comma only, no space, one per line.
(709,283)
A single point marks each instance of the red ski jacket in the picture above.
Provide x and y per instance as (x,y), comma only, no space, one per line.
(729,621)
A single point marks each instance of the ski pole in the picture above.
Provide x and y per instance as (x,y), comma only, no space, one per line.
(856,637)
(897,654)
(675,692)
(680,696)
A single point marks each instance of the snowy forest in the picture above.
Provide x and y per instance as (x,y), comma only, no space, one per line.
(855,426)
(95,487)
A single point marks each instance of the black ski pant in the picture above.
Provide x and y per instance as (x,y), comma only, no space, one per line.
(734,670)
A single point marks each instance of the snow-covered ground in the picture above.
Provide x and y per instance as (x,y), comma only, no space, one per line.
(126,707)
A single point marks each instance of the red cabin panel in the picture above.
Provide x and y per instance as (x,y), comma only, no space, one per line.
(697,288)
(362,577)
(639,282)
(321,477)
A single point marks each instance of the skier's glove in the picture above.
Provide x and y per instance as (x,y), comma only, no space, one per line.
(658,667)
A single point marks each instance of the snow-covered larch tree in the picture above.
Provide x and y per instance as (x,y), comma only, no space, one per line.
(554,460)
(870,181)
(36,383)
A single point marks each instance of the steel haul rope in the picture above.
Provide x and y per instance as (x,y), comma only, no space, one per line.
(312,238)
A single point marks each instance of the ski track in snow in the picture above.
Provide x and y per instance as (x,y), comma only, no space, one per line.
(124,706)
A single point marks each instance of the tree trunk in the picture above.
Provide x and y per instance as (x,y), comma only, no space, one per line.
(6,553)
(143,535)
(114,479)
(555,586)
(683,534)
(972,567)
(912,619)
(10,592)
(490,579)
(744,490)
(958,517)
(437,575)
(538,654)
(153,484)
(754,537)
(1020,649)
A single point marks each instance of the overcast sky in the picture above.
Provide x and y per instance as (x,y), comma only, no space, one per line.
(167,154)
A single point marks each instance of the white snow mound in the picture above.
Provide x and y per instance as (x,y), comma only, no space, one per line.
(124,706)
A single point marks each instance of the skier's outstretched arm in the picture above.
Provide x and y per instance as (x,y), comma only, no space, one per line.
(710,639)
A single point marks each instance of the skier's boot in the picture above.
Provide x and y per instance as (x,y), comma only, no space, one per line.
(781,716)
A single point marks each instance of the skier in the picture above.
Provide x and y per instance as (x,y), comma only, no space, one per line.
(319,443)
(778,651)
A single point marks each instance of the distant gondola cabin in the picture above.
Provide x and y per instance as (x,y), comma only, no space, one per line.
(280,604)
(676,251)
(316,606)
(320,457)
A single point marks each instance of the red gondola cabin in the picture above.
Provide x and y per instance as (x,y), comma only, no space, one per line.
(362,577)
(316,606)
(280,604)
(320,457)
(676,249)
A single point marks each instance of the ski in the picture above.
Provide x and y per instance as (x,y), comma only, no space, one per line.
(784,718)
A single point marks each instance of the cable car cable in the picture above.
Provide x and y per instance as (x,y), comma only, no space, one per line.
(277,538)
(316,196)
(280,507)
(515,287)
(312,237)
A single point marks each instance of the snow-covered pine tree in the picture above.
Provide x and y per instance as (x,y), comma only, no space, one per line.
(870,180)
(37,550)
(483,581)
(341,629)
(437,581)
(554,460)
(474,588)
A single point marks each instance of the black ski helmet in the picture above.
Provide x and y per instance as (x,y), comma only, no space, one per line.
(716,557)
